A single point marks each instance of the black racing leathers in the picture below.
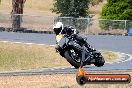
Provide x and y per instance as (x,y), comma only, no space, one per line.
(66,32)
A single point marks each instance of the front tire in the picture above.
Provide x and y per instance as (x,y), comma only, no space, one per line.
(70,60)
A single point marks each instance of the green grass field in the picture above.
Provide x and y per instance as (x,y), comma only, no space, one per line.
(21,57)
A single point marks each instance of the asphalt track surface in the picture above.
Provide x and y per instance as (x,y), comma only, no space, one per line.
(102,42)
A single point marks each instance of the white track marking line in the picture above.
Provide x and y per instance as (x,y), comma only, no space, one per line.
(24,43)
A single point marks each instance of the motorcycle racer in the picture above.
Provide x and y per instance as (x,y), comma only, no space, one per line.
(74,48)
(60,31)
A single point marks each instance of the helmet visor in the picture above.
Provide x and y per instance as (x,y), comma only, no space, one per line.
(57,30)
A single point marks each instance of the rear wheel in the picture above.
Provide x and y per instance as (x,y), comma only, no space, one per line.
(99,64)
(99,60)
(71,60)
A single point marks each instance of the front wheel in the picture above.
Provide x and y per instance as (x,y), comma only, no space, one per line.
(71,60)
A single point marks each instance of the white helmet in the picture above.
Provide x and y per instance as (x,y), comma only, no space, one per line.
(58,27)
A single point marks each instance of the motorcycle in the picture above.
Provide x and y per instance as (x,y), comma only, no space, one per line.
(76,53)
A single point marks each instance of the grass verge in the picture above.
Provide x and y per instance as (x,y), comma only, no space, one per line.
(22,57)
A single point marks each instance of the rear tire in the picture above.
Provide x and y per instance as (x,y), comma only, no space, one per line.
(99,64)
(99,60)
(70,60)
